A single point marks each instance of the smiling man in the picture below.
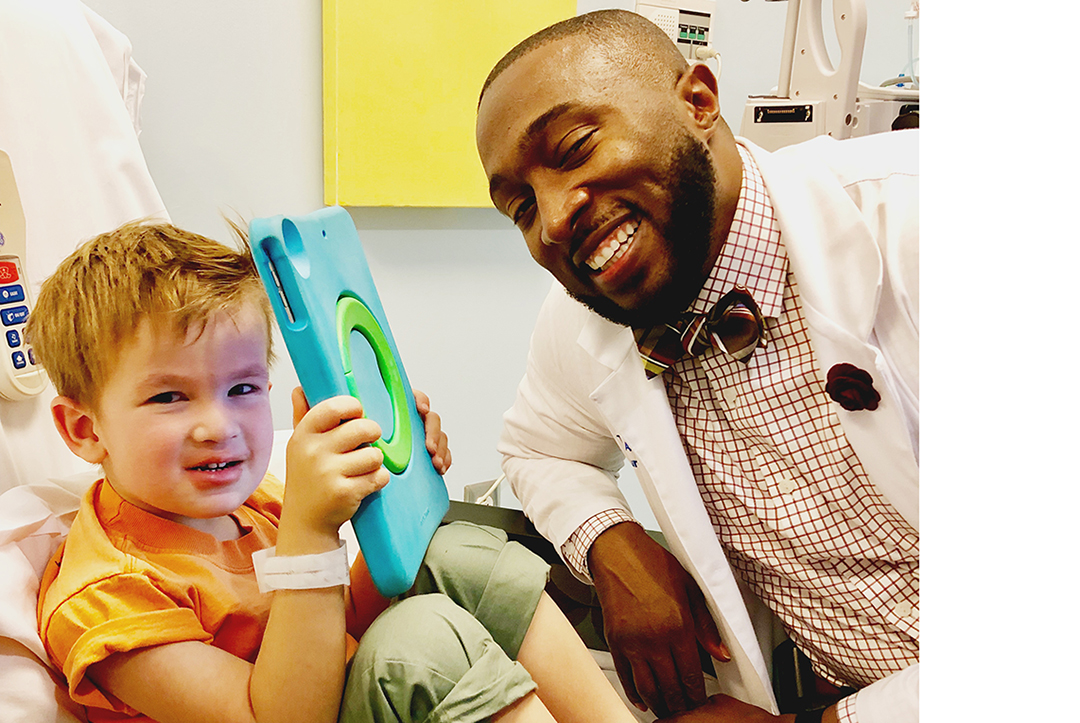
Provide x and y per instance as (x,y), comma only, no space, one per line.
(747,339)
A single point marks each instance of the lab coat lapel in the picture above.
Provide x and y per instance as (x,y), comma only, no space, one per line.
(838,268)
(637,410)
(835,260)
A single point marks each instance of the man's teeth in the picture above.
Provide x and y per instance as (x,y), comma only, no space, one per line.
(613,248)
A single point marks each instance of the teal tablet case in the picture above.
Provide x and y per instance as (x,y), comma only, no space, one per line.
(328,309)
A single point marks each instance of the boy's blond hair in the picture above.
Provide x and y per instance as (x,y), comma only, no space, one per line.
(98,296)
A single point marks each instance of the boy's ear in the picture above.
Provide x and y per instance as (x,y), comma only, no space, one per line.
(76,426)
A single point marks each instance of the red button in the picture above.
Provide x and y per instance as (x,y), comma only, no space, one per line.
(9,272)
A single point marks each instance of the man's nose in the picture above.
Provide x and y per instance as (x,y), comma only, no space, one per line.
(560,207)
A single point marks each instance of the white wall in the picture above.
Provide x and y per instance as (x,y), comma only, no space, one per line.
(232,124)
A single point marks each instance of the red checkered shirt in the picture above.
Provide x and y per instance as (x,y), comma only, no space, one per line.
(800,520)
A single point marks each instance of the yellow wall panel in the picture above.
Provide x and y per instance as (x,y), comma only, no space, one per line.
(400,84)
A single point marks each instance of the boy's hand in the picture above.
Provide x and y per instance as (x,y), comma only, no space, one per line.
(434,438)
(329,470)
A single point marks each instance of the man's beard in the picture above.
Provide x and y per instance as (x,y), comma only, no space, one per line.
(688,235)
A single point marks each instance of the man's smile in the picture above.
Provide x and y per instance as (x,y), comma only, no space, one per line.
(612,248)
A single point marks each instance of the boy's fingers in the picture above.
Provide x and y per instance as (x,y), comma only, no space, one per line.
(435,440)
(441,463)
(359,461)
(299,406)
(330,413)
(432,428)
(355,433)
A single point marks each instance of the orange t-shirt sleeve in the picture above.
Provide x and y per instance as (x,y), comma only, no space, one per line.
(120,613)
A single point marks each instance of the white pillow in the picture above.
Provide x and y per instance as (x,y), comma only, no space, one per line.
(33,521)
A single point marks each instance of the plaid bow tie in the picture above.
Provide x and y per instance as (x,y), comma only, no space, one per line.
(735,323)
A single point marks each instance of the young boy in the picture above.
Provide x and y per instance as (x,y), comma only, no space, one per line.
(159,344)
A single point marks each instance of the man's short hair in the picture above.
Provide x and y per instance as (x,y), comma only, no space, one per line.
(96,299)
(639,44)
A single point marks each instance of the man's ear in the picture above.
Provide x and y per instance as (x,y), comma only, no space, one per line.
(77,428)
(698,91)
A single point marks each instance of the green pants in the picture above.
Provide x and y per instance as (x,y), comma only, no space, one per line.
(446,652)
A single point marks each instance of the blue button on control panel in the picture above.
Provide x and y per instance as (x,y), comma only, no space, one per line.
(14,315)
(13,339)
(10,294)
(18,359)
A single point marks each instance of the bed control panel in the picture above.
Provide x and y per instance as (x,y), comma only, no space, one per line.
(21,376)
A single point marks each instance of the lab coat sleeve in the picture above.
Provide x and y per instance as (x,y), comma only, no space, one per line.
(894,699)
(558,454)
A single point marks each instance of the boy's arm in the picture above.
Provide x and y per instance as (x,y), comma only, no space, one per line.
(298,675)
(365,603)
(300,670)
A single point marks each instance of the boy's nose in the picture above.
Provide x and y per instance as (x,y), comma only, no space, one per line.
(214,424)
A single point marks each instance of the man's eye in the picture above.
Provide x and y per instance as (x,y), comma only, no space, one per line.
(165,398)
(578,150)
(522,211)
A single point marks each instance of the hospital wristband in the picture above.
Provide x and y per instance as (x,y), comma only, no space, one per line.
(301,572)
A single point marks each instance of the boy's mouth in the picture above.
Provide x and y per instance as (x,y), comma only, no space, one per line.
(215,466)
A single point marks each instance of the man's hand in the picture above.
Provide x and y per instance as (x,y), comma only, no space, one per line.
(434,438)
(654,617)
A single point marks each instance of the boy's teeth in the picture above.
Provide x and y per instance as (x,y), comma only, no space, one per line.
(215,466)
(611,248)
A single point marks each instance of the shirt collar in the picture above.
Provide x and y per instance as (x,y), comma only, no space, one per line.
(752,256)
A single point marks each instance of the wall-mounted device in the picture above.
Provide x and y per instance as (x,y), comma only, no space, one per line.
(687,22)
(21,377)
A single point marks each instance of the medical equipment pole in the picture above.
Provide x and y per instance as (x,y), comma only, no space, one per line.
(787,53)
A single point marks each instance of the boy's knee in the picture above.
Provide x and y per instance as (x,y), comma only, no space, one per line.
(415,653)
(460,561)
(497,581)
(427,659)
(427,630)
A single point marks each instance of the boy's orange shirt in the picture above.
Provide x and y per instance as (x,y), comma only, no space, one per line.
(126,579)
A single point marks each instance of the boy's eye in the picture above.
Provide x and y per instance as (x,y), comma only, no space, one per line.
(242,389)
(165,398)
